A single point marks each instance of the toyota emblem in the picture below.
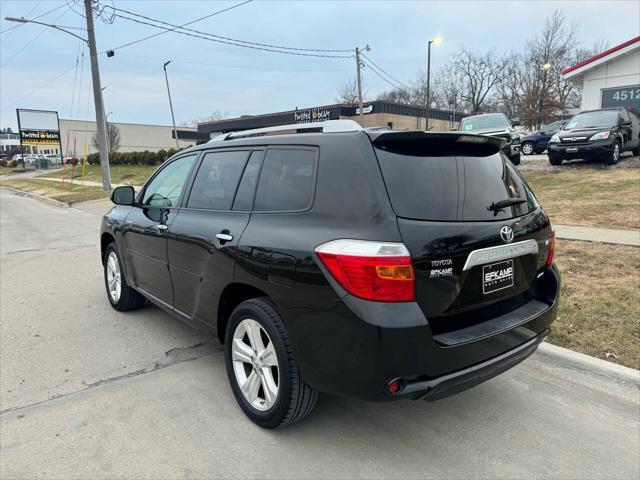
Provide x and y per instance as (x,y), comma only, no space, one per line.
(506,233)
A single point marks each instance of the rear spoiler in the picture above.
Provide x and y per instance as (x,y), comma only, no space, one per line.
(419,143)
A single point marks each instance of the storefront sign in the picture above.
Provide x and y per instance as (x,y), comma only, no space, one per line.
(621,97)
(39,137)
(365,110)
(314,115)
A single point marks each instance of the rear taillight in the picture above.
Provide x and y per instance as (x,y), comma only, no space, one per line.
(380,271)
(551,249)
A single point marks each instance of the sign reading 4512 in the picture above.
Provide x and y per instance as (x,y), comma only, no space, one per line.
(621,97)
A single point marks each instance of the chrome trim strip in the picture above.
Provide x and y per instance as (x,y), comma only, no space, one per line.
(500,252)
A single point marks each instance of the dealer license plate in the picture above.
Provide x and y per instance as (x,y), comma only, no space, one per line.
(497,276)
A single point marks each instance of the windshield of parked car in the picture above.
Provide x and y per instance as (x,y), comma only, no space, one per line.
(597,119)
(479,123)
(553,127)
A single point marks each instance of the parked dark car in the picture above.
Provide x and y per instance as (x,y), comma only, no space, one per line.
(499,126)
(537,142)
(373,265)
(597,134)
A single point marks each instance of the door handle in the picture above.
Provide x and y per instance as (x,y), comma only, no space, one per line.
(224,237)
(161,227)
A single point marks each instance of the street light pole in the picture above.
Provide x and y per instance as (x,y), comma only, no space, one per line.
(435,41)
(173,118)
(97,91)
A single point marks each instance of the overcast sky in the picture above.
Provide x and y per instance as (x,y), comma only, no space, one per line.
(37,64)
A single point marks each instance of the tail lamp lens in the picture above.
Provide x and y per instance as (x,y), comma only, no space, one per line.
(379,271)
(551,249)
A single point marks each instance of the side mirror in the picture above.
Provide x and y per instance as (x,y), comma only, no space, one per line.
(626,123)
(123,195)
(515,123)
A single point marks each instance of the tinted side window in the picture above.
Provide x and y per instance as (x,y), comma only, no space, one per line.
(165,189)
(244,195)
(286,180)
(215,184)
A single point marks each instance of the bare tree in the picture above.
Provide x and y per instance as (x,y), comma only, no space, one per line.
(396,96)
(113,137)
(480,73)
(214,116)
(348,92)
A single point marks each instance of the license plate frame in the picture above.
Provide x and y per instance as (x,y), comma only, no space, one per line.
(572,150)
(498,276)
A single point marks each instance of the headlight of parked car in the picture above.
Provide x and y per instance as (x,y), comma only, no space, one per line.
(601,135)
(555,139)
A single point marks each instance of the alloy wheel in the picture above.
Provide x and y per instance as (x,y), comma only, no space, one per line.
(616,152)
(255,364)
(114,279)
(527,149)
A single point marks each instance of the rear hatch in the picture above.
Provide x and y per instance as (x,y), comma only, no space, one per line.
(477,236)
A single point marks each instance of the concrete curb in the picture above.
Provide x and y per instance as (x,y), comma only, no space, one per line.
(50,201)
(590,364)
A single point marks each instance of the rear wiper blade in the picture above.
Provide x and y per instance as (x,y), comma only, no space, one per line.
(499,206)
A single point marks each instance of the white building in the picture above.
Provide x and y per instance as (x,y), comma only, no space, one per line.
(134,137)
(8,142)
(611,78)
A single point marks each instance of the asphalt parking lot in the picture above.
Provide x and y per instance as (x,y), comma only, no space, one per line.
(88,392)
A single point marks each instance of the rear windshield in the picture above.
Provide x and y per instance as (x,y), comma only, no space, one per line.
(453,187)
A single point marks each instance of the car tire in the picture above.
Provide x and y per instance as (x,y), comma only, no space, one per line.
(636,152)
(528,148)
(121,296)
(613,156)
(515,159)
(256,343)
(555,160)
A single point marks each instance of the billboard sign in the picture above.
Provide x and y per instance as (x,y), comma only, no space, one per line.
(38,128)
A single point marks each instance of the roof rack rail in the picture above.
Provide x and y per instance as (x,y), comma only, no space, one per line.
(328,126)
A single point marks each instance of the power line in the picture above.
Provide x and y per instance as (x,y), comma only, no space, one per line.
(235,40)
(372,68)
(243,67)
(32,40)
(385,73)
(34,18)
(36,90)
(206,36)
(183,25)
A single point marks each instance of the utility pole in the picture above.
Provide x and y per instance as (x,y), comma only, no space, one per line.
(173,119)
(97,99)
(358,65)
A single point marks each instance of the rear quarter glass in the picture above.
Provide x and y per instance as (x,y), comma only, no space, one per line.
(441,184)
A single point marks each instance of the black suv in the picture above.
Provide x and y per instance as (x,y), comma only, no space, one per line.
(375,265)
(597,134)
(496,125)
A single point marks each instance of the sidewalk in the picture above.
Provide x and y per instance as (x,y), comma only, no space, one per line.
(604,235)
(89,183)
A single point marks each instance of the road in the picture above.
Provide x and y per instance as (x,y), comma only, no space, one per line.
(87,392)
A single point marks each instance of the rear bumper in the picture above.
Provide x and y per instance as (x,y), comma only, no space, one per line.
(435,389)
(354,348)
